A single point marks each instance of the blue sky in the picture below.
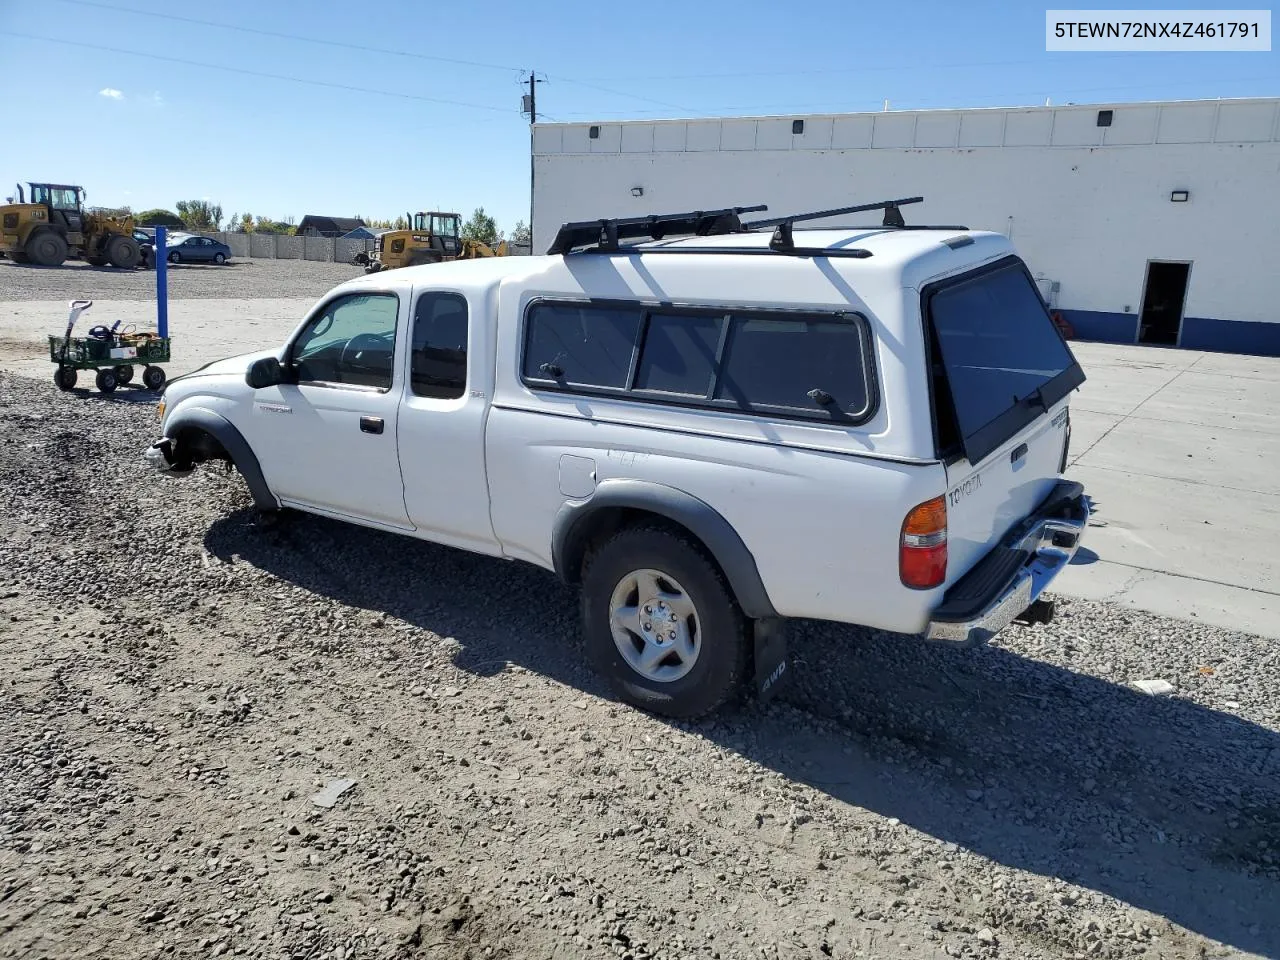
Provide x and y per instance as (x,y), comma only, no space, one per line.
(148,132)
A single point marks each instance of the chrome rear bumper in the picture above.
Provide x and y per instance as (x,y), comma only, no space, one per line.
(1013,575)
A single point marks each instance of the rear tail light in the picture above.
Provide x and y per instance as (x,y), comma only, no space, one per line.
(922,556)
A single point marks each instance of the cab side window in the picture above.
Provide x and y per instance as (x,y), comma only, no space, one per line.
(438,361)
(351,342)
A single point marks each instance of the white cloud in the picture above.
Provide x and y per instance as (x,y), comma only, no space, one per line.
(157,99)
(111,93)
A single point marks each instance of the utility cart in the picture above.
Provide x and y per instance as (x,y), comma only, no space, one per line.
(112,355)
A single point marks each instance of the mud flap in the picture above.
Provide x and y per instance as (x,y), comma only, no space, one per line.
(772,671)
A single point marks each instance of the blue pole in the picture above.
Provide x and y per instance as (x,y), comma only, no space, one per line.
(161,259)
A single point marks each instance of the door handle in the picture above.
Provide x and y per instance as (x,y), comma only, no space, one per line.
(1019,452)
(371,424)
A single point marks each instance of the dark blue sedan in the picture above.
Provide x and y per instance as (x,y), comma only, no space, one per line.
(184,248)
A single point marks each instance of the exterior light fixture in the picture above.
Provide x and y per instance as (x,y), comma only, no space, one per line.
(637,191)
(1180,196)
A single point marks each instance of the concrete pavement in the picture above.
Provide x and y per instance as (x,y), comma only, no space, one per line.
(1180,451)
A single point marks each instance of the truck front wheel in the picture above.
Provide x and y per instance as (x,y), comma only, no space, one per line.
(661,625)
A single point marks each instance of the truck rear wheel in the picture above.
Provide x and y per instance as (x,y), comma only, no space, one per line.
(46,248)
(661,625)
(123,252)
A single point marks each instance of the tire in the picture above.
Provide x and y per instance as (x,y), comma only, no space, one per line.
(153,378)
(124,374)
(17,257)
(123,252)
(701,662)
(219,259)
(47,249)
(65,378)
(106,380)
(96,261)
(175,257)
(422,257)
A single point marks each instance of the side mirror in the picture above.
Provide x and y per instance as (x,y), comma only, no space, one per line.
(266,372)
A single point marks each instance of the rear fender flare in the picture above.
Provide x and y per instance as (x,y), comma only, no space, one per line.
(573,528)
(222,430)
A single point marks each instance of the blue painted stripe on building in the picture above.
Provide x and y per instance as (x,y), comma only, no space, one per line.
(1231,336)
(1198,333)
(1099,325)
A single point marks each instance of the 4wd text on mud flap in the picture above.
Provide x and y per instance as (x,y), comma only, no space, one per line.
(966,488)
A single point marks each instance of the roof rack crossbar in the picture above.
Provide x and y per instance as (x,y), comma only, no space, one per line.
(892,215)
(605,234)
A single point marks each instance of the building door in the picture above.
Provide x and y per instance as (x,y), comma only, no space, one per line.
(1162,302)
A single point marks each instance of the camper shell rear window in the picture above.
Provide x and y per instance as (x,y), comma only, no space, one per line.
(997,361)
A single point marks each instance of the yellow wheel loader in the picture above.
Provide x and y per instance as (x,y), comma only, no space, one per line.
(435,238)
(54,225)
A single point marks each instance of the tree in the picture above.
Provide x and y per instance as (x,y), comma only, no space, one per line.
(119,213)
(481,228)
(159,218)
(521,234)
(200,214)
(267,225)
(400,224)
(245,224)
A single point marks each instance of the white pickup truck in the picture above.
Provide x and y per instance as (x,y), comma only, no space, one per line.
(711,429)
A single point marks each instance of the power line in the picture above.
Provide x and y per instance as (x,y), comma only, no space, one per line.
(913,66)
(387,51)
(620,93)
(834,106)
(259,73)
(113,8)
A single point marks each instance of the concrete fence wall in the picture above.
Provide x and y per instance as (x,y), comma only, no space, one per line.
(271,246)
(344,250)
(290,248)
(262,245)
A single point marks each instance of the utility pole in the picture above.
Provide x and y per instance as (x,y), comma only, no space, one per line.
(530,106)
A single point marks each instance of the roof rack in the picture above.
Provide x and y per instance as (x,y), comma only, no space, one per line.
(605,234)
(783,241)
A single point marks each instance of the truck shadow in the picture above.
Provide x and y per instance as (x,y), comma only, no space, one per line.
(1166,805)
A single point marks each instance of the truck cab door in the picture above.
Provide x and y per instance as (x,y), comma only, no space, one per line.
(442,420)
(327,440)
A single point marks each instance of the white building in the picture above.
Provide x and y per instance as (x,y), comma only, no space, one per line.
(1152,222)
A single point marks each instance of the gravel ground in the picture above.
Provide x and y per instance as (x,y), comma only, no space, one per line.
(179,680)
(241,278)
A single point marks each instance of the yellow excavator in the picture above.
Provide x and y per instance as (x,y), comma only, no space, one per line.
(434,238)
(55,225)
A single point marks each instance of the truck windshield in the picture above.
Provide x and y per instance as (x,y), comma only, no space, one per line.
(1004,361)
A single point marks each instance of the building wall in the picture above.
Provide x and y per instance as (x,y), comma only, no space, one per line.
(1087,206)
